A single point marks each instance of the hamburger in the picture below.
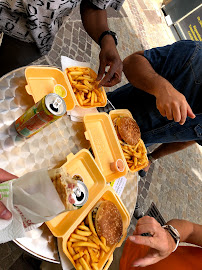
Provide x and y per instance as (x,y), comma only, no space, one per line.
(127,129)
(108,222)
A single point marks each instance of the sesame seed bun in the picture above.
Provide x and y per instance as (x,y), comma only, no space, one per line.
(108,222)
(129,130)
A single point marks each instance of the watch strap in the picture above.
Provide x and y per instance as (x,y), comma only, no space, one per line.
(174,233)
(111,33)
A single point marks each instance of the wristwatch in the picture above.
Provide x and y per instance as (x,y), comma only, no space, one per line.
(174,233)
(111,33)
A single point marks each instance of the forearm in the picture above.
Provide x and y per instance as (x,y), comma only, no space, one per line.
(170,148)
(94,20)
(141,74)
(189,232)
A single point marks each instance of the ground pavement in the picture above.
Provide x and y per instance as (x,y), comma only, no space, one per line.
(173,183)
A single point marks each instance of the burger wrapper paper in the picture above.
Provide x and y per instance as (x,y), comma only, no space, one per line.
(32,199)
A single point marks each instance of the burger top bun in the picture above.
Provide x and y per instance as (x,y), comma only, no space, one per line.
(129,130)
(108,222)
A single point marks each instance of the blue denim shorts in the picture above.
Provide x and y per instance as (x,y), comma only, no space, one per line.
(180,63)
(153,126)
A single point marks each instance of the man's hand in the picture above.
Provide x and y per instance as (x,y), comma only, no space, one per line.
(95,23)
(109,57)
(161,242)
(173,105)
(170,102)
(5,176)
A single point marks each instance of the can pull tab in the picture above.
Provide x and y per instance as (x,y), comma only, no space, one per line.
(56,104)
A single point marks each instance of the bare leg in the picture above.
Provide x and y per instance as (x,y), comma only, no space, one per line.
(167,149)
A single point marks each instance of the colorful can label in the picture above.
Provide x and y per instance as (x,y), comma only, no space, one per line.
(43,113)
(80,194)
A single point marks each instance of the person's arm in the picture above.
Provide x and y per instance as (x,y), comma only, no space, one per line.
(170,148)
(95,23)
(166,149)
(170,102)
(5,176)
(189,232)
(161,243)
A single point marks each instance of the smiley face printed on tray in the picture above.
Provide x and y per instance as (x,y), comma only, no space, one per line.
(133,147)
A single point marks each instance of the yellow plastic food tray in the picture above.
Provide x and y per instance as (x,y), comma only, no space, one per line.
(41,81)
(104,142)
(94,75)
(63,225)
(124,112)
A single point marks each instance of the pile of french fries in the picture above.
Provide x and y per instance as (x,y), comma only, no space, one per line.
(135,155)
(85,86)
(85,247)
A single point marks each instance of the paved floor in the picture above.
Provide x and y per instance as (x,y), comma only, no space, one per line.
(173,183)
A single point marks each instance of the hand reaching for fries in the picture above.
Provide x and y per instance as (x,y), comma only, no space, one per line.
(109,57)
(85,86)
(85,247)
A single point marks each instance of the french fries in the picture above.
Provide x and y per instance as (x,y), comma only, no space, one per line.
(76,236)
(90,222)
(95,266)
(78,266)
(136,156)
(85,247)
(83,233)
(85,86)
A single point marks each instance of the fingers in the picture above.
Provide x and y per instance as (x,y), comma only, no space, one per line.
(147,220)
(190,112)
(183,110)
(101,70)
(147,260)
(109,57)
(112,77)
(5,176)
(113,81)
(169,113)
(186,111)
(173,105)
(4,213)
(147,224)
(145,228)
(143,240)
(177,114)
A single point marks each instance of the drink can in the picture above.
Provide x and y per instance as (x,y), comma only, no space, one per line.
(50,108)
(80,194)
